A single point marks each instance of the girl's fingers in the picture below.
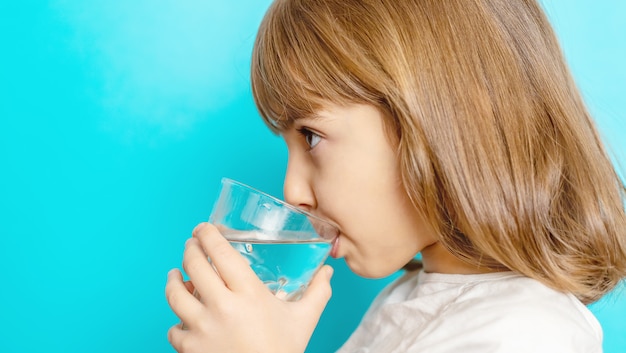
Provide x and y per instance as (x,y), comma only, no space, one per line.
(197,266)
(176,335)
(183,303)
(231,266)
(318,293)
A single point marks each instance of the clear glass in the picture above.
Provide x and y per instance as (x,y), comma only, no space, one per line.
(284,245)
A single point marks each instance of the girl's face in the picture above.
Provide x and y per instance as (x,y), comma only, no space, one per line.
(342,167)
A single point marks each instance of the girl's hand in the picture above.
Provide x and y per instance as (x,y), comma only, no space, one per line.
(236,312)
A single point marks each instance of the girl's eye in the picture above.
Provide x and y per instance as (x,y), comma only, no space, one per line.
(311,138)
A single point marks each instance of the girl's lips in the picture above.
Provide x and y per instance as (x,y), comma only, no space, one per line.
(334,250)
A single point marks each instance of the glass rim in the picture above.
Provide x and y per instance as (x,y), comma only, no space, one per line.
(283,203)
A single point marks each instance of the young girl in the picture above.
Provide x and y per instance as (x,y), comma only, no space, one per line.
(447,128)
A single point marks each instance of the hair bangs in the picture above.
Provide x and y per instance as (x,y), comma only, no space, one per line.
(296,67)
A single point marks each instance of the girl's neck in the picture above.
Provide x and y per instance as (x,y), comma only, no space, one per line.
(437,259)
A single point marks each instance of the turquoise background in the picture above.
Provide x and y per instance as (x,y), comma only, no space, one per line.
(117,121)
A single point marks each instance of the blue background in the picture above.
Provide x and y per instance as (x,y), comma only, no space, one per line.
(117,121)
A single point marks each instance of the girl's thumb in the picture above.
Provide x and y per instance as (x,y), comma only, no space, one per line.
(318,293)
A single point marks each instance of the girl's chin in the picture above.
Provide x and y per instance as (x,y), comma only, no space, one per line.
(369,269)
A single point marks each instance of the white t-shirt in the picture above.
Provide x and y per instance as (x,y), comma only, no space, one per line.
(495,312)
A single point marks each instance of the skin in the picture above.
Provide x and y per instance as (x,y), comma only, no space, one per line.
(342,167)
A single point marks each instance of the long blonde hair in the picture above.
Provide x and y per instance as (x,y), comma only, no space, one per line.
(496,146)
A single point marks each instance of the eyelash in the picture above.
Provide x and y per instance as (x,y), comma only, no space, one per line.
(307,134)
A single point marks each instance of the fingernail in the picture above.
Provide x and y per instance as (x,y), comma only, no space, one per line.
(188,242)
(329,272)
(198,228)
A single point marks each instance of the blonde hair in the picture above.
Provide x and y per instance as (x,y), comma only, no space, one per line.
(496,146)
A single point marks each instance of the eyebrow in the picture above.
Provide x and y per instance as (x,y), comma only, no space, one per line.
(314,116)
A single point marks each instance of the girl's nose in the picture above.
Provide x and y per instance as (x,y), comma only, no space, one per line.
(297,188)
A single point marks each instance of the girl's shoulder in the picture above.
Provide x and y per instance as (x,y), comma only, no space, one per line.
(511,311)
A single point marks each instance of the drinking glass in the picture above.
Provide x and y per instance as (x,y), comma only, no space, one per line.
(284,245)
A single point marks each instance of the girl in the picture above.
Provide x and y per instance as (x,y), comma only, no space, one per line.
(449,128)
